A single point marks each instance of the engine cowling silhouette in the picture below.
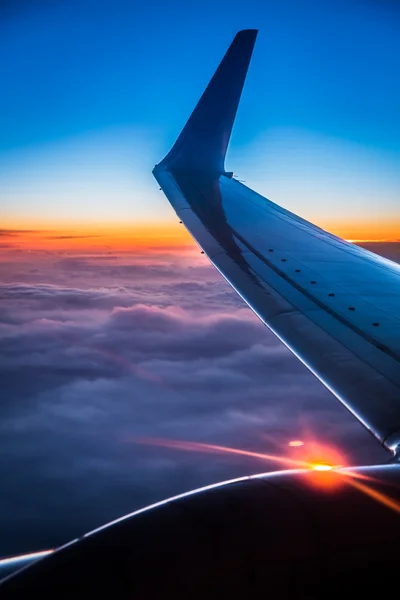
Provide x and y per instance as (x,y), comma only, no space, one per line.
(287,535)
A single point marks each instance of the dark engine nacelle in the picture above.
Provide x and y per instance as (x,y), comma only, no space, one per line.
(290,535)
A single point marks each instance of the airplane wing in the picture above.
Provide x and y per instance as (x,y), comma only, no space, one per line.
(335,305)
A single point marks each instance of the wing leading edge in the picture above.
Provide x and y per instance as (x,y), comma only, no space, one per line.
(333,304)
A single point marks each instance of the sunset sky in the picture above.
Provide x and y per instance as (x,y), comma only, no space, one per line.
(94,94)
(112,325)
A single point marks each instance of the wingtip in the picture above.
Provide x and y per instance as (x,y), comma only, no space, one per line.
(247,31)
(251,34)
(203,142)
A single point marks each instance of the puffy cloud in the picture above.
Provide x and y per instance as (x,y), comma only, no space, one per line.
(88,369)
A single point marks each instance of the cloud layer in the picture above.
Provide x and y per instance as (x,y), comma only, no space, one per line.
(100,350)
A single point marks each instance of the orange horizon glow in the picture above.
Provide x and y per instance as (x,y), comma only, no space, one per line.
(169,233)
(124,238)
(364,230)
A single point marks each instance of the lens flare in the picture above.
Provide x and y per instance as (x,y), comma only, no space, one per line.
(368,478)
(296,443)
(211,448)
(317,454)
(353,479)
(321,460)
(321,467)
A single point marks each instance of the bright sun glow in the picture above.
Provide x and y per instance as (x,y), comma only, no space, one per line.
(296,443)
(321,467)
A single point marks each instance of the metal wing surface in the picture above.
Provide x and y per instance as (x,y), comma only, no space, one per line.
(334,305)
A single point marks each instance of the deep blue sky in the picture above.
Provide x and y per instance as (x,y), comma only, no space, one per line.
(94,93)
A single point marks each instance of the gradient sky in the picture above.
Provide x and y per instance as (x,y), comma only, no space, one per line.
(112,325)
(95,92)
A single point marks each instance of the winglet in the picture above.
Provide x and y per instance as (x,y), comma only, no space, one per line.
(204,140)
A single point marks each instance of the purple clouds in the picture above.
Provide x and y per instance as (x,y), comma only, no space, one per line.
(98,350)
